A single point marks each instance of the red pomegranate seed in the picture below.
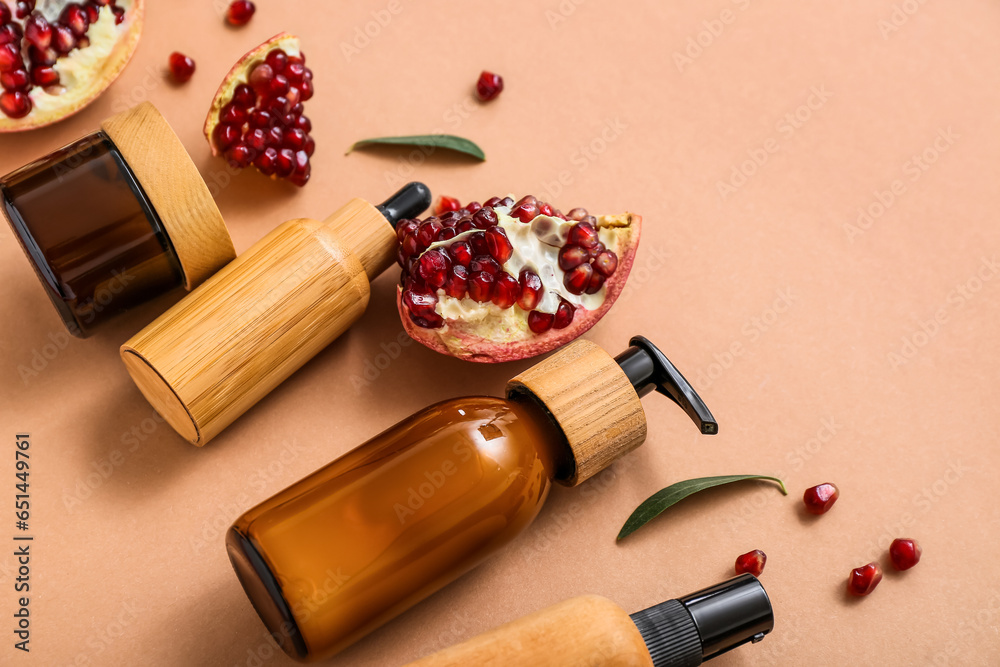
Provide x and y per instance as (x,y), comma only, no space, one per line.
(525,210)
(540,322)
(473,206)
(295,139)
(277,60)
(410,246)
(480,286)
(93,12)
(428,231)
(231,114)
(864,579)
(303,170)
(241,156)
(75,17)
(506,291)
(450,218)
(43,77)
(447,234)
(458,281)
(37,31)
(605,263)
(10,33)
(485,218)
(489,86)
(477,242)
(119,15)
(257,140)
(491,202)
(5,15)
(275,137)
(460,253)
(244,96)
(182,69)
(63,39)
(498,245)
(432,267)
(43,57)
(10,58)
(904,553)
(577,279)
(284,165)
(240,12)
(303,123)
(15,104)
(266,161)
(15,79)
(572,256)
(564,315)
(420,303)
(819,499)
(545,209)
(752,562)
(577,214)
(260,78)
(584,234)
(596,283)
(531,290)
(445,204)
(484,263)
(404,227)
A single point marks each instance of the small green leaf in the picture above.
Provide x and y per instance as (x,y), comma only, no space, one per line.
(448,141)
(673,494)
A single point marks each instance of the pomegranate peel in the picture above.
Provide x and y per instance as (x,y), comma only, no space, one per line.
(503,313)
(82,58)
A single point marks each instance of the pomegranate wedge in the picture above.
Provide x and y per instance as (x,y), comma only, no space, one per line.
(507,280)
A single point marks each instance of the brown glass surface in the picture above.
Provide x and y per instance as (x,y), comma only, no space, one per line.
(391,522)
(81,217)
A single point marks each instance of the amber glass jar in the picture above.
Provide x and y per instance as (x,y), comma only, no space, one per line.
(115,219)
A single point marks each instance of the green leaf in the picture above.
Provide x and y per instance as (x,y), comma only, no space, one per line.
(653,506)
(448,141)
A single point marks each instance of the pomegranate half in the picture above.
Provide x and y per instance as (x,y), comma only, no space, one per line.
(257,116)
(507,280)
(56,57)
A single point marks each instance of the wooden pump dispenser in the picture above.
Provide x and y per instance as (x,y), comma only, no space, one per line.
(222,348)
(593,630)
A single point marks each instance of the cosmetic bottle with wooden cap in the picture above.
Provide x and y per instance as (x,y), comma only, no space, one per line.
(222,348)
(593,630)
(341,552)
(115,219)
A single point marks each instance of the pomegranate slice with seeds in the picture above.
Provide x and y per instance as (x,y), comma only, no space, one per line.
(506,280)
(57,56)
(257,114)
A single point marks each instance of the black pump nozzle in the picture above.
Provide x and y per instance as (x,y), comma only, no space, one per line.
(706,623)
(410,201)
(648,368)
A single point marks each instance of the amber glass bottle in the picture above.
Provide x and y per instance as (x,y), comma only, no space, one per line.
(358,542)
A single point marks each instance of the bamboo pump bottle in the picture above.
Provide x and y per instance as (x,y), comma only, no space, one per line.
(224,346)
(593,630)
(361,540)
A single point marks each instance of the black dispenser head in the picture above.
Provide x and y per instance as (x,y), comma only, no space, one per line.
(648,368)
(706,623)
(410,201)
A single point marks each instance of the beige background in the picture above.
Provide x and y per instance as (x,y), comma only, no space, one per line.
(129,566)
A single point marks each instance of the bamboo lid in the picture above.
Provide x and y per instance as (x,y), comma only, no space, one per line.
(592,400)
(176,190)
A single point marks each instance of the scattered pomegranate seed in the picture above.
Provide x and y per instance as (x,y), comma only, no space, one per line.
(904,553)
(446,204)
(820,498)
(240,12)
(489,86)
(15,104)
(752,562)
(864,579)
(181,67)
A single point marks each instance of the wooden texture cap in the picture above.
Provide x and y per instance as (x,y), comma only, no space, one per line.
(176,190)
(227,344)
(593,401)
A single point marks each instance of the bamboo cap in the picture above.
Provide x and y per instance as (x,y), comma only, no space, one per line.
(594,398)
(175,188)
